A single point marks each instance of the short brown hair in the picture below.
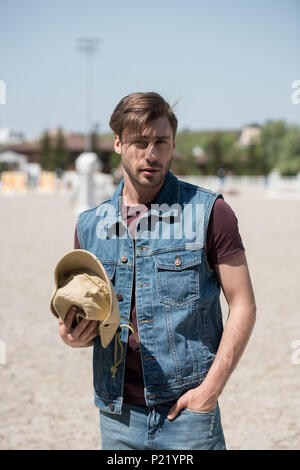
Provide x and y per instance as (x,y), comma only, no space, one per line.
(137,109)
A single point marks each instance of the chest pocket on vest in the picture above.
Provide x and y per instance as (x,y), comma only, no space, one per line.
(178,276)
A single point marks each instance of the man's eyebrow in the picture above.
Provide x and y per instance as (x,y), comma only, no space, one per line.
(163,137)
(145,137)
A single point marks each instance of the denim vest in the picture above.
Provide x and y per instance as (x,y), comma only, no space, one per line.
(177,293)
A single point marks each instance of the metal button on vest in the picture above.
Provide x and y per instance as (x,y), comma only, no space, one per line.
(123,259)
(177,261)
(111,406)
(119,297)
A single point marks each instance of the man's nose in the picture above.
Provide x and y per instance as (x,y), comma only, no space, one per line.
(151,153)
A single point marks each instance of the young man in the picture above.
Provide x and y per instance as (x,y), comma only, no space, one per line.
(167,246)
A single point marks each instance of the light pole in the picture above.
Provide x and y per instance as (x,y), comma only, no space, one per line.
(89,46)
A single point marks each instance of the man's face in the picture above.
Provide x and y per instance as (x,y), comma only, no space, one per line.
(146,157)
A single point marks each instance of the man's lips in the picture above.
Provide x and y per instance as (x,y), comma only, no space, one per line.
(150,170)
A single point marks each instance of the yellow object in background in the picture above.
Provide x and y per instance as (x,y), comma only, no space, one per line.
(13,182)
(47,181)
(20,180)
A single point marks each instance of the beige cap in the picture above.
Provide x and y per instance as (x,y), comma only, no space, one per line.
(81,280)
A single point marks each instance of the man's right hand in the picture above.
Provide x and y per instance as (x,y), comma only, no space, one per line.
(80,336)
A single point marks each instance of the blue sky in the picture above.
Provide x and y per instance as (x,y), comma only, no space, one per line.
(229,62)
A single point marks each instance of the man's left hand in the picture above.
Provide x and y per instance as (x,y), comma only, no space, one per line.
(194,400)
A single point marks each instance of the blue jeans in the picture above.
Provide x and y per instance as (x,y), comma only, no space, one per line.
(148,428)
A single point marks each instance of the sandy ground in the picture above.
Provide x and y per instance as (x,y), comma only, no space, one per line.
(46,399)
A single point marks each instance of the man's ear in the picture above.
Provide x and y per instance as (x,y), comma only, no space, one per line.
(117,144)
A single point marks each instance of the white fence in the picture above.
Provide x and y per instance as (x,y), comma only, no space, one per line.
(283,187)
(273,186)
(230,183)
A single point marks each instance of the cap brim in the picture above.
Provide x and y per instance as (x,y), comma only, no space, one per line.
(51,304)
(110,325)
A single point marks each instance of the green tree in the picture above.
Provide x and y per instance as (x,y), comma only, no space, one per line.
(59,154)
(220,148)
(289,155)
(271,137)
(104,157)
(214,149)
(253,163)
(46,154)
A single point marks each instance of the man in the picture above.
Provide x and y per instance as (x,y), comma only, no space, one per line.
(167,247)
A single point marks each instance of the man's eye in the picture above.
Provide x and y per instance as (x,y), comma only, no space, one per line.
(141,144)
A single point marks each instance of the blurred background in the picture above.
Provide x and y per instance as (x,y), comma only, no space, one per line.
(232,71)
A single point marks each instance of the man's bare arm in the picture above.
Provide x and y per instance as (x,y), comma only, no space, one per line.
(236,284)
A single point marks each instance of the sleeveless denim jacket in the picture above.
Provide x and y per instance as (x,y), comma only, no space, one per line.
(177,293)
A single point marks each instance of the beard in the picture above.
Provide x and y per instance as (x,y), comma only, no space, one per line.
(147,181)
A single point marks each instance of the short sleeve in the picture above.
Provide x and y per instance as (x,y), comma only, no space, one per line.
(224,241)
(76,241)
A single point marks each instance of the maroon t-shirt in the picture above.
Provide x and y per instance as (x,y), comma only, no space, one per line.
(223,244)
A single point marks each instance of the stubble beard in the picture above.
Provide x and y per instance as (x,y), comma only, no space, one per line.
(147,182)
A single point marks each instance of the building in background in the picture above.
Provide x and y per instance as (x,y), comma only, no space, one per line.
(74,145)
(10,136)
(250,134)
